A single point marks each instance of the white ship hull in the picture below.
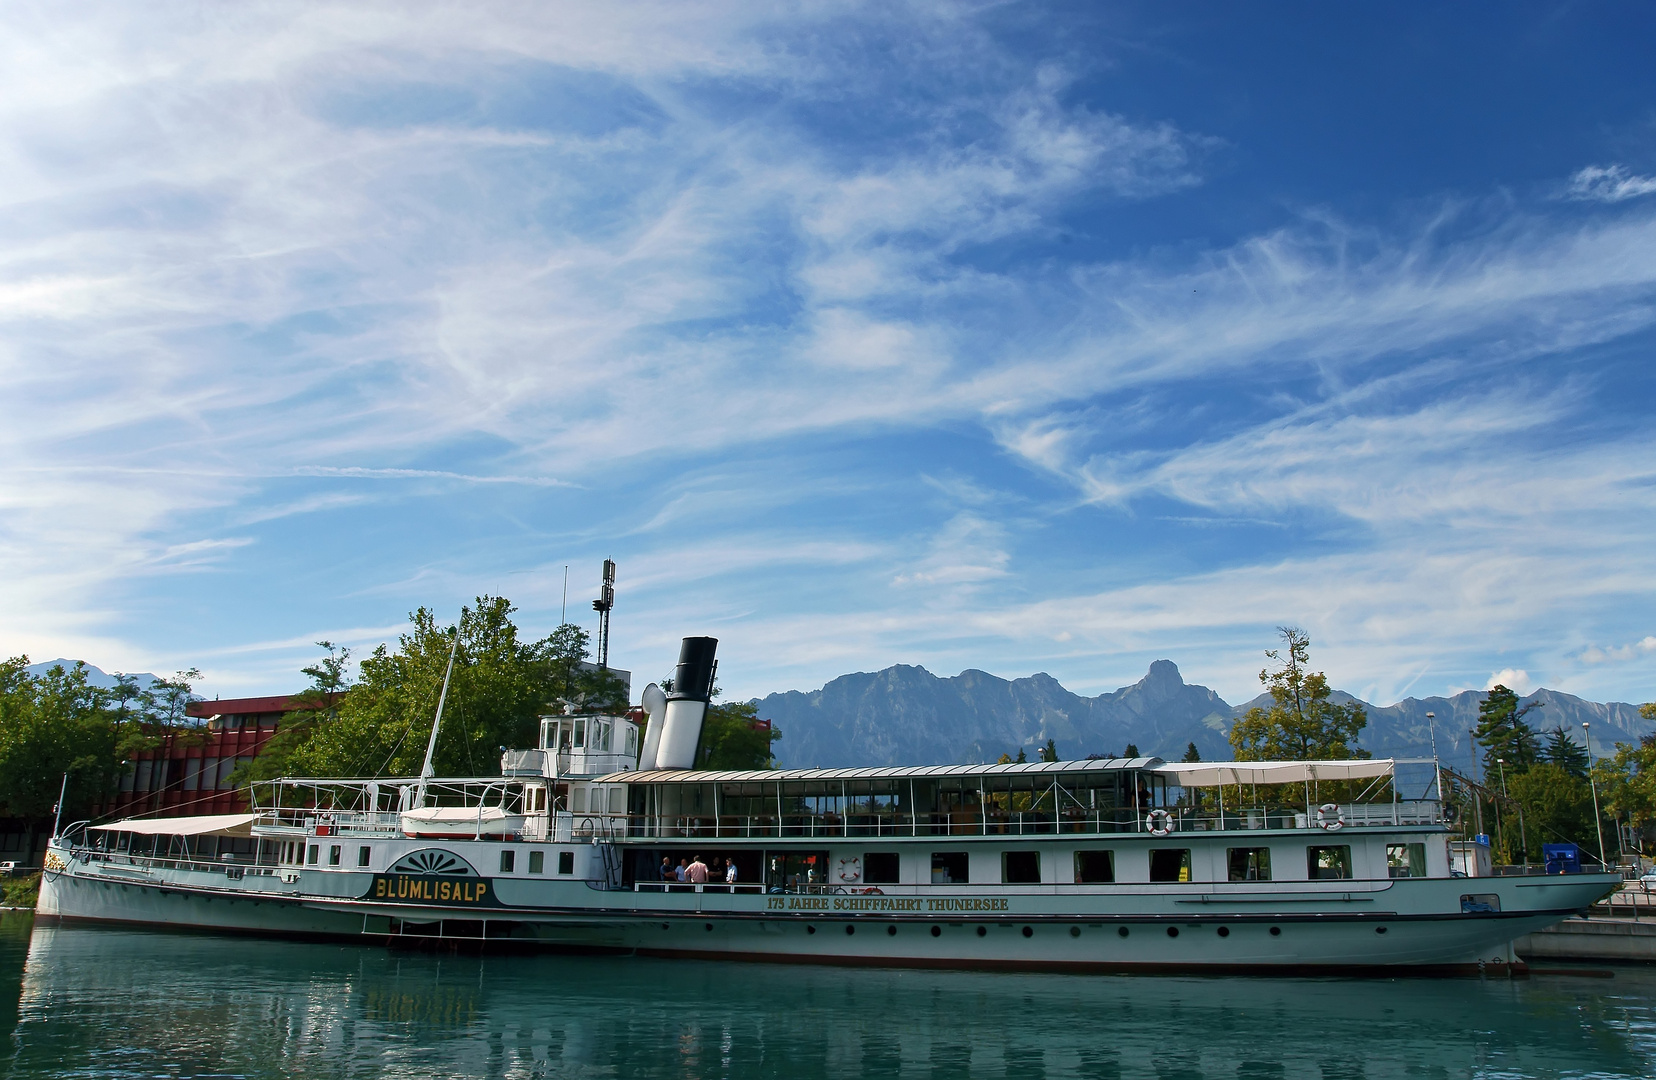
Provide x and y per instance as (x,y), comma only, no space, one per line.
(1325,926)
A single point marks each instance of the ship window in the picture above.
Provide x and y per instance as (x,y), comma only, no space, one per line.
(617,800)
(314,850)
(880,867)
(1328,862)
(1169,864)
(632,741)
(1094,867)
(333,854)
(566,862)
(508,860)
(580,734)
(1248,863)
(537,862)
(1021,867)
(577,803)
(950,868)
(1406,860)
(362,855)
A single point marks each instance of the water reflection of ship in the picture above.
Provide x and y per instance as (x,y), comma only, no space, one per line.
(312,1009)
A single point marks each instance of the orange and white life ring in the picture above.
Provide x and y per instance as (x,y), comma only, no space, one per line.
(850,869)
(1158,822)
(1330,818)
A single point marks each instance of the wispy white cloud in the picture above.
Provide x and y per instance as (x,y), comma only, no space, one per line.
(241,251)
(1619,654)
(1609,183)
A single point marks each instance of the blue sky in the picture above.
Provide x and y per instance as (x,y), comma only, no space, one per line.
(1012,336)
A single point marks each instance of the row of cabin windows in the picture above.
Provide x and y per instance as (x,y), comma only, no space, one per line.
(537,862)
(593,734)
(508,857)
(1322,862)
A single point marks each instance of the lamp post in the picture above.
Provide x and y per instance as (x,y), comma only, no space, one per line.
(1437,773)
(1598,822)
(1472,751)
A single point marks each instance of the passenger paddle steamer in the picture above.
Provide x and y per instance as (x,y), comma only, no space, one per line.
(1125,863)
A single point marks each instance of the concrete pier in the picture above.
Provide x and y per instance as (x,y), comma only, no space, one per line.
(1593,938)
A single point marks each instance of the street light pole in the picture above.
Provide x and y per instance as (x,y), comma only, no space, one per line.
(1598,821)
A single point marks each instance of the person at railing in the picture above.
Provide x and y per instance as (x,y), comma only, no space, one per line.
(667,873)
(696,872)
(730,872)
(680,872)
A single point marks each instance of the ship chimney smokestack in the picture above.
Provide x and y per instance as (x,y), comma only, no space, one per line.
(681,727)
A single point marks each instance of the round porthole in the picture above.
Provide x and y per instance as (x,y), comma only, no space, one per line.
(810,929)
(982,930)
(1172,931)
(1276,931)
(1224,931)
(937,931)
(891,930)
(709,926)
(1029,931)
(1075,931)
(1379,929)
(665,926)
(1122,930)
(849,929)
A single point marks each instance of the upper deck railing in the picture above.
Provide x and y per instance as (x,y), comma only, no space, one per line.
(970,822)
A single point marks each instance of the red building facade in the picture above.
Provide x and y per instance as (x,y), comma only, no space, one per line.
(189,773)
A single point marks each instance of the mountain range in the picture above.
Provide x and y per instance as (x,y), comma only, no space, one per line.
(95,676)
(905,715)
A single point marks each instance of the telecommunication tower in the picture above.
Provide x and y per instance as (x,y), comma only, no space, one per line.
(602,605)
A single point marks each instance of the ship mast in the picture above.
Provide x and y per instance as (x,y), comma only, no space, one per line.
(426,772)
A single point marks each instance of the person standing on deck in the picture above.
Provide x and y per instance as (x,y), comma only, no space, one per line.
(696,873)
(730,871)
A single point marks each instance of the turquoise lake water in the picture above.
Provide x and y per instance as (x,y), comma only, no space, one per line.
(98,1002)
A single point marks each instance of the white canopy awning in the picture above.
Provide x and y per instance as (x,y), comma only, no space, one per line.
(1217,773)
(200,825)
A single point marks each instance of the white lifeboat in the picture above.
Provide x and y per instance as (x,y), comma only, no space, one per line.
(425,822)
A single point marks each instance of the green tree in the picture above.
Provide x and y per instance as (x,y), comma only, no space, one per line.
(50,725)
(168,699)
(1566,753)
(500,685)
(318,706)
(733,737)
(571,678)
(1131,751)
(1504,734)
(1191,754)
(1303,722)
(1558,807)
(1049,752)
(1627,781)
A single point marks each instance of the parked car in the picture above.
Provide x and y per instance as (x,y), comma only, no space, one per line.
(1648,881)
